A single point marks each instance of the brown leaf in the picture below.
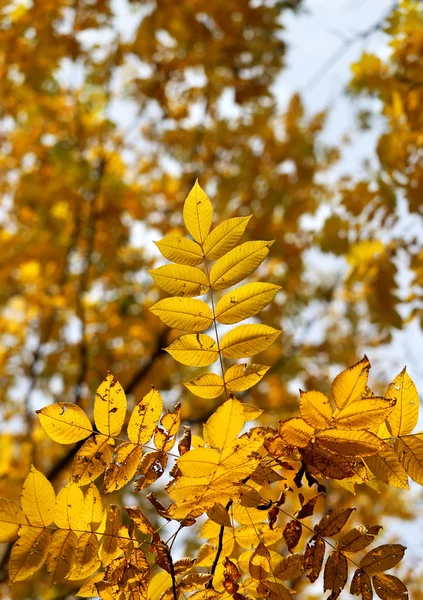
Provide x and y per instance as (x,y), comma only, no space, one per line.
(308,508)
(336,574)
(355,540)
(185,442)
(382,558)
(290,567)
(260,566)
(292,534)
(219,515)
(389,587)
(333,521)
(314,556)
(361,585)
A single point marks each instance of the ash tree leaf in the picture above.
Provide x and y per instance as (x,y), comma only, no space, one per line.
(64,422)
(224,237)
(225,424)
(315,409)
(295,432)
(61,555)
(181,280)
(410,454)
(110,407)
(187,314)
(314,557)
(199,350)
(69,507)
(245,301)
(336,574)
(382,558)
(292,534)
(180,250)
(11,517)
(247,340)
(198,213)
(385,465)
(91,459)
(349,442)
(389,587)
(333,521)
(206,385)
(110,549)
(28,554)
(242,377)
(290,567)
(405,414)
(199,462)
(349,385)
(364,414)
(145,417)
(38,499)
(93,511)
(219,515)
(260,565)
(86,557)
(361,585)
(357,539)
(238,263)
(122,467)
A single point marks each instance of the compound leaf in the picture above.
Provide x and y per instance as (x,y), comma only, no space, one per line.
(349,385)
(242,377)
(181,280)
(145,416)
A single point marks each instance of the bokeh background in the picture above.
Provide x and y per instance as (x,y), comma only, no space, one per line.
(307,114)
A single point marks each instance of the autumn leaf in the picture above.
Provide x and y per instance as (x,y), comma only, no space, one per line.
(198,213)
(198,350)
(350,384)
(404,416)
(245,301)
(188,314)
(110,407)
(247,340)
(180,250)
(238,263)
(65,423)
(224,237)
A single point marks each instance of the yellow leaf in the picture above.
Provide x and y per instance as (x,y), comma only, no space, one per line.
(219,515)
(225,424)
(199,350)
(159,583)
(386,467)
(89,590)
(351,383)
(110,549)
(260,565)
(382,558)
(69,507)
(180,250)
(145,416)
(93,509)
(92,459)
(38,499)
(224,237)
(180,280)
(410,454)
(61,556)
(110,407)
(11,517)
(242,377)
(206,385)
(403,418)
(65,423)
(249,536)
(238,263)
(188,314)
(296,432)
(349,443)
(86,557)
(365,413)
(245,301)
(199,462)
(315,409)
(122,467)
(247,340)
(198,213)
(28,554)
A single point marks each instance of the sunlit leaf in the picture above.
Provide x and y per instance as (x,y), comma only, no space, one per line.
(110,407)
(29,554)
(405,414)
(11,517)
(224,237)
(365,413)
(245,301)
(350,384)
(198,350)
(122,467)
(382,558)
(349,442)
(38,499)
(238,263)
(181,280)
(188,314)
(65,423)
(69,507)
(315,409)
(61,555)
(410,454)
(242,377)
(247,340)
(92,459)
(180,250)
(198,213)
(206,385)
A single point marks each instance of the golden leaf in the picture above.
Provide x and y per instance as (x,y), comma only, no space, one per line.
(91,460)
(110,407)
(145,416)
(260,566)
(159,583)
(206,385)
(225,424)
(403,418)
(89,590)
(11,517)
(69,507)
(247,340)
(86,557)
(410,454)
(122,467)
(351,383)
(238,263)
(315,409)
(61,555)
(249,536)
(198,213)
(295,432)
(28,554)
(365,413)
(245,301)
(290,567)
(199,462)
(180,280)
(187,314)
(242,377)
(93,509)
(219,515)
(386,466)
(198,350)
(224,237)
(65,423)
(349,442)
(180,250)
(38,499)
(110,549)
